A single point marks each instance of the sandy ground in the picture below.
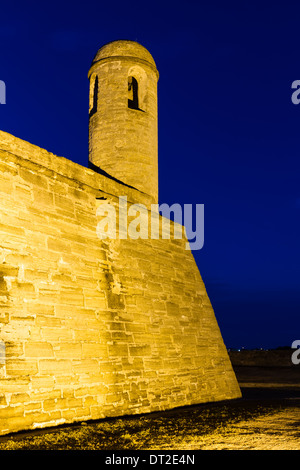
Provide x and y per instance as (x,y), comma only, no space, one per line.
(266,418)
(277,431)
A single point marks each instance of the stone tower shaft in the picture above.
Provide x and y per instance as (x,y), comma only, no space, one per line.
(123,115)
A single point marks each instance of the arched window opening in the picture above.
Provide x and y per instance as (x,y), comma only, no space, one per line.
(94,96)
(133,97)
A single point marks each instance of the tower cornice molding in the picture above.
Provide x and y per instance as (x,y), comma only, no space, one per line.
(123,58)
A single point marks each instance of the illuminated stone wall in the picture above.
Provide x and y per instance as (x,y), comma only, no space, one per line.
(94,328)
(91,328)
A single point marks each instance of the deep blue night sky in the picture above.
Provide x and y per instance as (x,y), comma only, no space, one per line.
(229,134)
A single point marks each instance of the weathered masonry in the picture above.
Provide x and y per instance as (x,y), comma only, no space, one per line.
(95,328)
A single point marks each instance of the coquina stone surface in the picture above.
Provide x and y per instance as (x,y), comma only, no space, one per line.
(95,328)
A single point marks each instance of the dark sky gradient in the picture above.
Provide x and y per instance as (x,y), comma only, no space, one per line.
(229,135)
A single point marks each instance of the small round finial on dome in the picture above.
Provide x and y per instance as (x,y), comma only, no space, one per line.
(124,48)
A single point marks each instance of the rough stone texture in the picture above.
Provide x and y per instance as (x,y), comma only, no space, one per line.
(94,328)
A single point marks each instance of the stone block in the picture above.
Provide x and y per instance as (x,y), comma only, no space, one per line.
(38,349)
(55,367)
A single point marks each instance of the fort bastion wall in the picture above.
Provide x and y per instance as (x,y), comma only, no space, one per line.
(94,328)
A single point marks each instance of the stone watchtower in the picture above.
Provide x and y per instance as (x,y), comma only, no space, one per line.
(123,115)
(94,328)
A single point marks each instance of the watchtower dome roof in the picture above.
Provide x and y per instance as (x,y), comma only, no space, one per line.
(124,48)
